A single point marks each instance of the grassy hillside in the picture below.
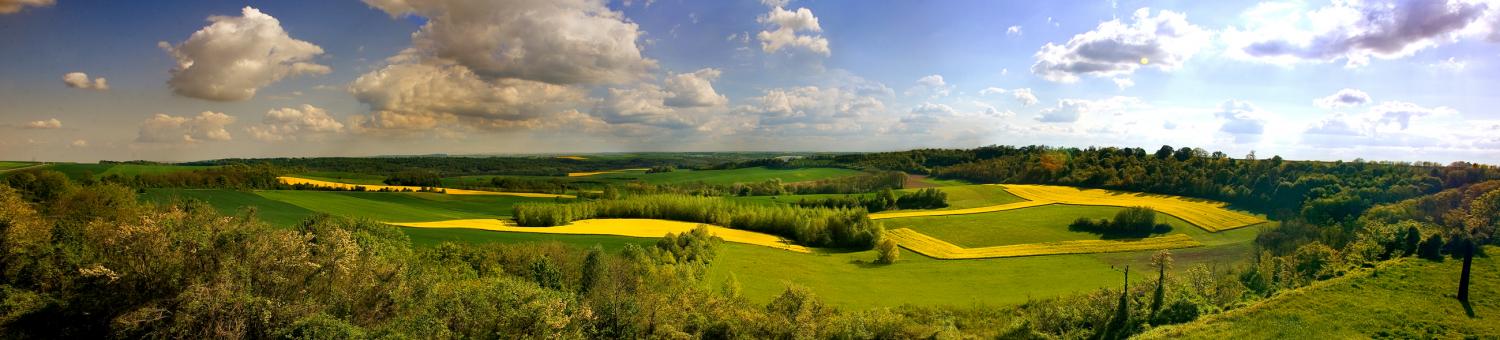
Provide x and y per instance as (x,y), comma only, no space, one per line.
(1411,298)
(229,202)
(7,165)
(974,196)
(400,206)
(80,171)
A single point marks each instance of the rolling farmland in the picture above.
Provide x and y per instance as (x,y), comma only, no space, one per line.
(1209,215)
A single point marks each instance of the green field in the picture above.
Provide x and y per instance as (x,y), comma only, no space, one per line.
(1409,298)
(400,206)
(6,165)
(976,195)
(80,171)
(1042,224)
(140,169)
(229,202)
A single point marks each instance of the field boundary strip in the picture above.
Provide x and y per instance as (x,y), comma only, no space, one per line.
(979,210)
(298,180)
(631,227)
(1209,215)
(591,173)
(939,249)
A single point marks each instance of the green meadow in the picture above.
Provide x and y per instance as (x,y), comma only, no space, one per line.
(401,206)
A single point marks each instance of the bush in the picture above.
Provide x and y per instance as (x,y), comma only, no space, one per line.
(1131,222)
(1178,311)
(889,252)
(1432,248)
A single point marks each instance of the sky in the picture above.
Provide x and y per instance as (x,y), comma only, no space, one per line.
(89,80)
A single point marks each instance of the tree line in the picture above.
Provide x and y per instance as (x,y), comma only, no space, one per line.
(885,200)
(817,227)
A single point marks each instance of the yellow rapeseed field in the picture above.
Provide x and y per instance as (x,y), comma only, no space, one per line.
(632,227)
(298,180)
(582,174)
(1209,215)
(993,208)
(576,158)
(939,249)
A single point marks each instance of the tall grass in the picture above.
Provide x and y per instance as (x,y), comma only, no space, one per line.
(818,227)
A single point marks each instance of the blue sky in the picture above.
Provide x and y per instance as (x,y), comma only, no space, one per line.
(186,80)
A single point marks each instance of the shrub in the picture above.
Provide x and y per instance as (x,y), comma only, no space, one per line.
(1131,222)
(1432,248)
(889,252)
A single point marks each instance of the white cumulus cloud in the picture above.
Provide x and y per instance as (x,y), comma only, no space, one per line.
(1353,31)
(233,57)
(792,29)
(48,124)
(1344,98)
(1070,110)
(694,89)
(168,129)
(1242,120)
(554,41)
(1117,49)
(80,80)
(295,123)
(411,97)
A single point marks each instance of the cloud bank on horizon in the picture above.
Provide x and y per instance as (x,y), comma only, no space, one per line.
(1403,80)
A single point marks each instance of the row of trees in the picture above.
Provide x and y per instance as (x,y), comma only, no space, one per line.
(844,228)
(416,178)
(884,200)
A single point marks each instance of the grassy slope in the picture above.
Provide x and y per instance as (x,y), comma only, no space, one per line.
(974,196)
(7,165)
(1412,298)
(400,207)
(229,202)
(77,171)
